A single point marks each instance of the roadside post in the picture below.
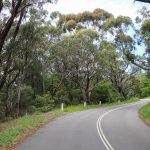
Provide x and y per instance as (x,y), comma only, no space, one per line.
(100,102)
(62,106)
(84,104)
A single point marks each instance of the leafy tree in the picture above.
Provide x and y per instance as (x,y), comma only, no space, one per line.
(121,74)
(145,87)
(77,59)
(66,58)
(104,92)
(94,20)
(13,13)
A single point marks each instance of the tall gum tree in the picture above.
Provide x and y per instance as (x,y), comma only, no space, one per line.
(77,58)
(119,71)
(13,14)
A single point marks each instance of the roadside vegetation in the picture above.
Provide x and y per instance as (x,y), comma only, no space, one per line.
(49,59)
(13,131)
(145,114)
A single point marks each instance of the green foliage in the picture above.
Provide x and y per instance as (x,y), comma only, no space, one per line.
(71,57)
(145,113)
(13,133)
(44,103)
(52,84)
(14,129)
(71,24)
(145,87)
(73,108)
(87,33)
(118,22)
(27,98)
(145,31)
(45,109)
(104,92)
(62,97)
(80,107)
(95,18)
(76,96)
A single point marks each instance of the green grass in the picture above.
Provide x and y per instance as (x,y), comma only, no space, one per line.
(145,113)
(80,107)
(131,100)
(74,108)
(11,131)
(15,128)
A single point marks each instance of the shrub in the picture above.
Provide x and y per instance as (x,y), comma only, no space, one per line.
(44,109)
(62,97)
(76,96)
(26,96)
(145,87)
(44,103)
(145,92)
(104,92)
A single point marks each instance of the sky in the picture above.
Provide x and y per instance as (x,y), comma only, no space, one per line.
(116,7)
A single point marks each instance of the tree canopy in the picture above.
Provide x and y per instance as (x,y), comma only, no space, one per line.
(47,59)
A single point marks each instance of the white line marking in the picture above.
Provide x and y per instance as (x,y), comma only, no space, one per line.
(99,126)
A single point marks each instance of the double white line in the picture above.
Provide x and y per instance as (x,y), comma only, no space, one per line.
(99,126)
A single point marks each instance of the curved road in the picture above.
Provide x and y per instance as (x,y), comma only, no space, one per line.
(111,128)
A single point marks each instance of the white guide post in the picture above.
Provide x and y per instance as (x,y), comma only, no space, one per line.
(84,104)
(62,106)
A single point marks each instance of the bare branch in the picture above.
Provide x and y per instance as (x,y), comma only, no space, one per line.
(144,1)
(8,25)
(140,64)
(1,5)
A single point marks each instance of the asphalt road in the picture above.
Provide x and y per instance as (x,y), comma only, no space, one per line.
(111,128)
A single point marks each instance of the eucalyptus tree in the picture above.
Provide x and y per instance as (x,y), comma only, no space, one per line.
(118,33)
(13,13)
(129,37)
(20,53)
(119,71)
(77,58)
(143,34)
(93,20)
(87,60)
(21,56)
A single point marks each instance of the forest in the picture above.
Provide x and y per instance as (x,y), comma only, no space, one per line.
(51,58)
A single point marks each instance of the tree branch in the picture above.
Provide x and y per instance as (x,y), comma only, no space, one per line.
(140,65)
(1,5)
(14,79)
(144,1)
(8,25)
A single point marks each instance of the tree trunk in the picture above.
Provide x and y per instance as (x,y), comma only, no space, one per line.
(43,77)
(7,103)
(84,95)
(18,100)
(122,93)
